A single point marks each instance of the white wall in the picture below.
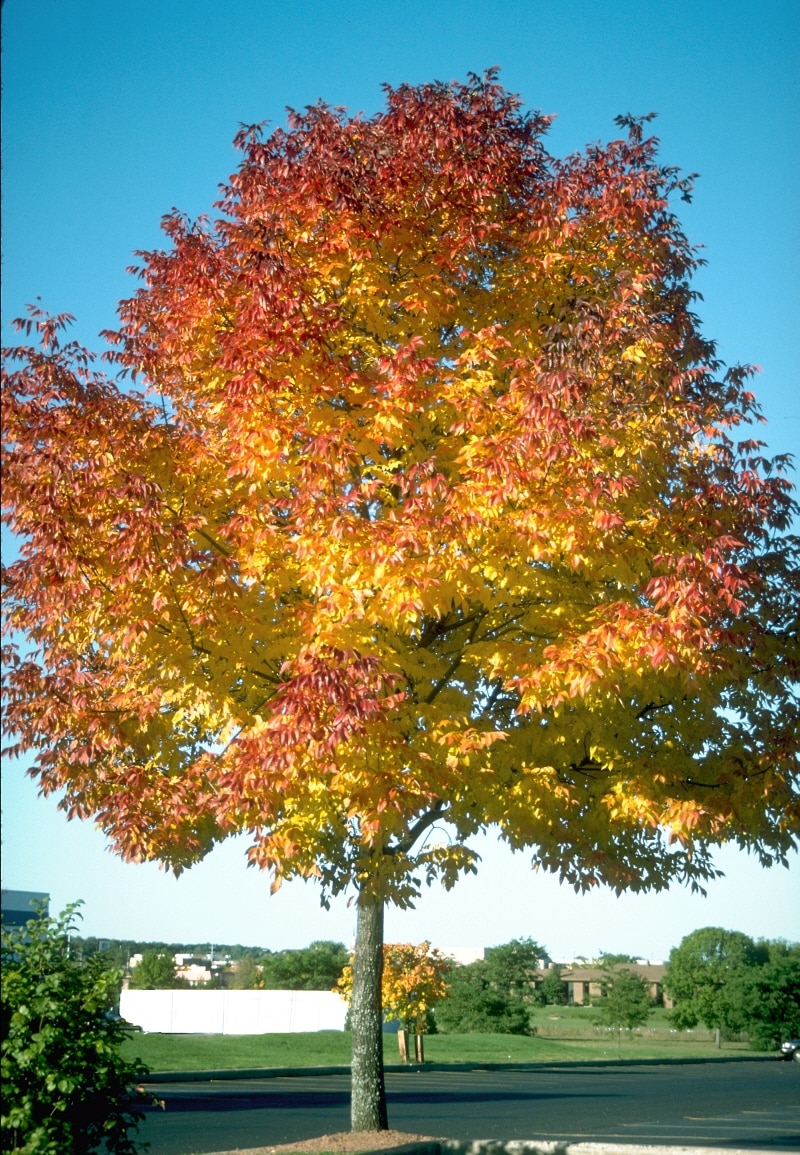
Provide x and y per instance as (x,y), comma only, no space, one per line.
(233,1012)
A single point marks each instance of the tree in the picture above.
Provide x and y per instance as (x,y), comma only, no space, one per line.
(247,975)
(552,990)
(427,511)
(515,967)
(706,975)
(155,971)
(771,998)
(413,981)
(314,968)
(625,1001)
(476,1004)
(66,1088)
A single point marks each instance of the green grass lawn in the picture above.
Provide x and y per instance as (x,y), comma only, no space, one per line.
(572,1035)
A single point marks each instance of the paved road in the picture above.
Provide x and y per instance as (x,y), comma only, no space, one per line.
(752,1104)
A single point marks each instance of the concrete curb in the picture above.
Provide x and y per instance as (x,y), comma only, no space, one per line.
(554,1147)
(210,1076)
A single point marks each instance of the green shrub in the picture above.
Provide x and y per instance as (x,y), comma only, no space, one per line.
(66,1088)
(475,1003)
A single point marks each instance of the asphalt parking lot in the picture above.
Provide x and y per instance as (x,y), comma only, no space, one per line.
(742,1105)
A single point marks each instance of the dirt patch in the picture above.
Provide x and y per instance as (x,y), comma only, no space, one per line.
(347,1142)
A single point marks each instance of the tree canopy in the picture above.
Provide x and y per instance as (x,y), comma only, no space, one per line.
(771,997)
(728,982)
(707,974)
(429,510)
(317,967)
(431,505)
(515,966)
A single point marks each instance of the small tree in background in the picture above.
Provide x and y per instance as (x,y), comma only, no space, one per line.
(246,975)
(156,971)
(413,982)
(66,1089)
(626,1002)
(552,990)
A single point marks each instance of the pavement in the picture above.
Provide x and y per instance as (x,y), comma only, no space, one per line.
(474,1147)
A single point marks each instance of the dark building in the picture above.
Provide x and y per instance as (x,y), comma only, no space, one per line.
(19,906)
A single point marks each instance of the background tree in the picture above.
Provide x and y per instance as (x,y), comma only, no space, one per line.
(625,1001)
(65,1086)
(476,1004)
(313,968)
(156,971)
(552,990)
(707,975)
(430,509)
(413,982)
(515,967)
(246,975)
(771,997)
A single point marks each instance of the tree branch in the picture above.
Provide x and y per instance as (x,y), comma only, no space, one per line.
(418,828)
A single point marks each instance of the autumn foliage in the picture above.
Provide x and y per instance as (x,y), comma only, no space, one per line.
(413,981)
(428,505)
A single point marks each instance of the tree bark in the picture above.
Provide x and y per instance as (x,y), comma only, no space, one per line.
(368,1090)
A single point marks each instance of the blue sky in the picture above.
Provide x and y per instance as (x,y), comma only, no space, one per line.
(115,113)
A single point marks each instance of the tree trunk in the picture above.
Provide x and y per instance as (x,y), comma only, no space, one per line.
(368,1091)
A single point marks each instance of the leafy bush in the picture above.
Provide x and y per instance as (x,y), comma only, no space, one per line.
(66,1088)
(475,1003)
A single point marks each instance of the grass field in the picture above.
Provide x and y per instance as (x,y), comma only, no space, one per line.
(563,1034)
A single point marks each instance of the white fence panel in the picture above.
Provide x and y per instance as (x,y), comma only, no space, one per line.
(233,1012)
